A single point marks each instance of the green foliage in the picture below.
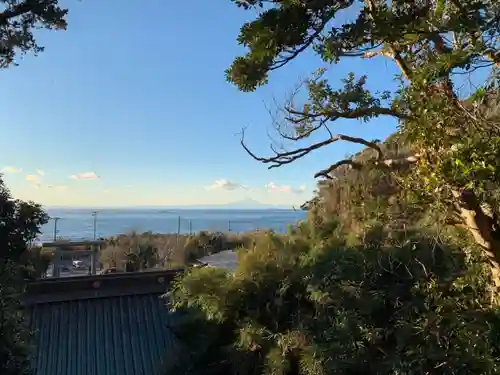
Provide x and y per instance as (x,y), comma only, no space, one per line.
(18,19)
(285,28)
(417,38)
(37,261)
(303,305)
(20,224)
(373,282)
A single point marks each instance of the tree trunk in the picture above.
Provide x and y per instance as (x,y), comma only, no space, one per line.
(483,229)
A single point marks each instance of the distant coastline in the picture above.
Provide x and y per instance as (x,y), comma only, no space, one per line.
(246,204)
(81,223)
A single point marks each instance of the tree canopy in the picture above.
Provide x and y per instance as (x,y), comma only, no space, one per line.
(20,224)
(448,34)
(18,21)
(451,139)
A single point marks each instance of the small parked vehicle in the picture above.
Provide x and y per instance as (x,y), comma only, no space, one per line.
(79,265)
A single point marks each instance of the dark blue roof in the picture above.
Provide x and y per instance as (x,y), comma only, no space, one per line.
(103,335)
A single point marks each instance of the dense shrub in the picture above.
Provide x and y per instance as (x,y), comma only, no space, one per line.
(20,223)
(310,304)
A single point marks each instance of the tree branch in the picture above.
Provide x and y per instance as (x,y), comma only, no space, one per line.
(14,11)
(293,54)
(394,163)
(393,55)
(333,115)
(286,157)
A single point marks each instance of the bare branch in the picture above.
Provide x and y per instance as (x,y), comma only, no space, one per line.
(333,115)
(394,163)
(393,55)
(282,158)
(311,120)
(325,173)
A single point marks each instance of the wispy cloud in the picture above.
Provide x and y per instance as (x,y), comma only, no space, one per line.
(57,187)
(10,169)
(85,176)
(274,188)
(38,181)
(224,184)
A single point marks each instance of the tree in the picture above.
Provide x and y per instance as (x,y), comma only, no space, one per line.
(452,140)
(19,18)
(20,223)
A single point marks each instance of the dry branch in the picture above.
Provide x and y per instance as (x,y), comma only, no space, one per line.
(393,163)
(286,157)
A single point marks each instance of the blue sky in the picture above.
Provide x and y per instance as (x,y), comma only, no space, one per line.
(130,106)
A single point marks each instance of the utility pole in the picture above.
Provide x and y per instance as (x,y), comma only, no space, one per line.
(56,219)
(94,214)
(178,231)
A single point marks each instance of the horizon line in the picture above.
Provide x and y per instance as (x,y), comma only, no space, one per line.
(214,207)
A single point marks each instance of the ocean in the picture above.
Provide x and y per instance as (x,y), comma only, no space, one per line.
(78,224)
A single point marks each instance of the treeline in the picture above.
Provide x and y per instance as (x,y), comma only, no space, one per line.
(140,251)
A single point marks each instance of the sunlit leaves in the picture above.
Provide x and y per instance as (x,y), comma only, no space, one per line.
(300,305)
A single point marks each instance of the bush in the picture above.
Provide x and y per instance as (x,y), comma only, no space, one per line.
(20,223)
(310,304)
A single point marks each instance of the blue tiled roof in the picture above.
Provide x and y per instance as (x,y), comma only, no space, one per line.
(112,335)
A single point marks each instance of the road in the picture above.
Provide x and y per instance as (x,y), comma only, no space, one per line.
(69,272)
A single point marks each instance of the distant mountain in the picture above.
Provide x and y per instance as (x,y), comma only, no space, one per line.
(251,203)
(244,204)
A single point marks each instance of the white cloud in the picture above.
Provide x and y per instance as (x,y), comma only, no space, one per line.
(226,185)
(10,169)
(273,188)
(32,178)
(40,172)
(85,176)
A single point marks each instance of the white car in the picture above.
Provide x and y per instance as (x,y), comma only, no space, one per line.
(78,265)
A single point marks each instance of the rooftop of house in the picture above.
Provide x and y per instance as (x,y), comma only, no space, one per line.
(102,324)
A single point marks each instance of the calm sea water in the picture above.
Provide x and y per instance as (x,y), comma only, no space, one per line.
(78,224)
